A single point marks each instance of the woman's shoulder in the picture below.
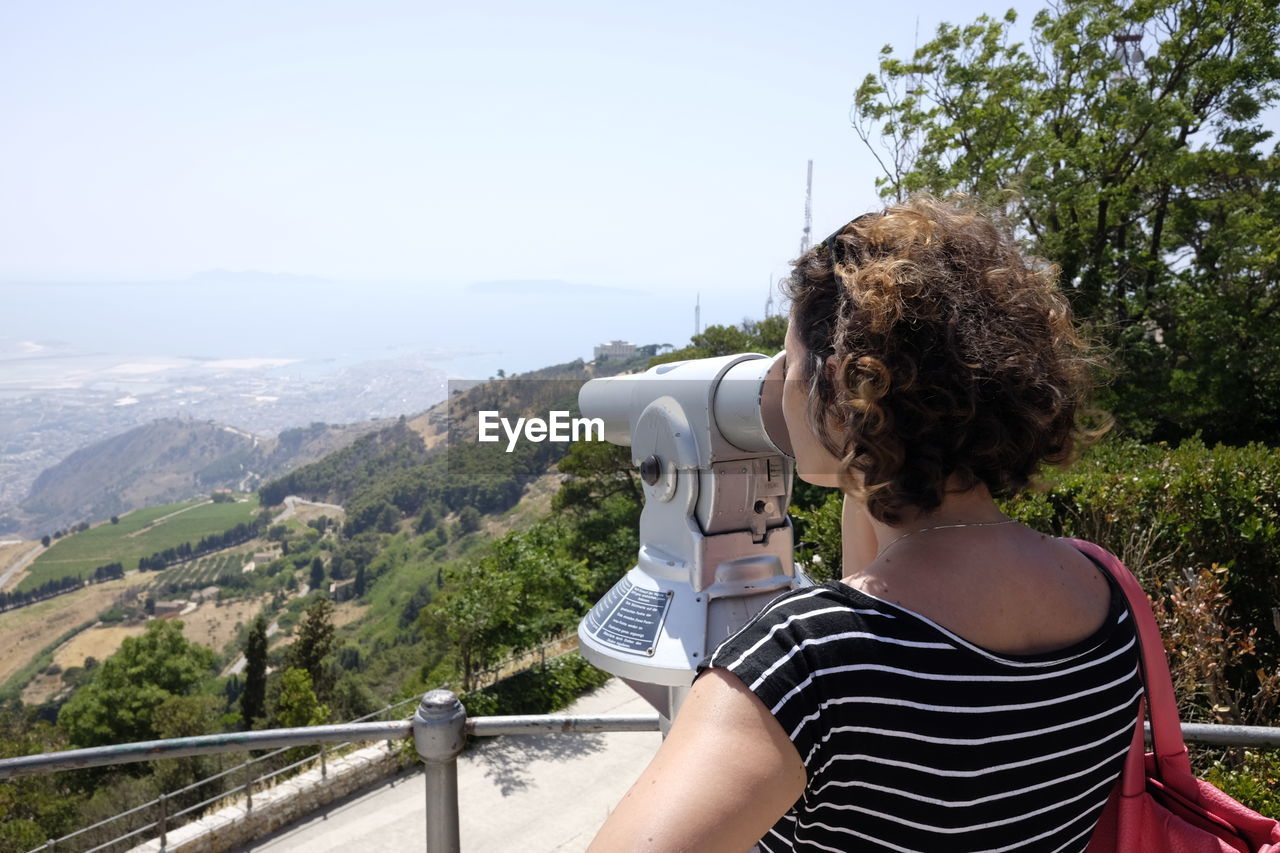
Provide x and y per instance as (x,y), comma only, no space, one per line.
(809,616)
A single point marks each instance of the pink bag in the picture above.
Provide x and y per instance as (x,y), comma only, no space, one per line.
(1158,806)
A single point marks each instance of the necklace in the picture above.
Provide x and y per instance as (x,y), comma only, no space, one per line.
(944,527)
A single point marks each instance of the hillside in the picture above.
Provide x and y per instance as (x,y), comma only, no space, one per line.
(166,461)
(433,465)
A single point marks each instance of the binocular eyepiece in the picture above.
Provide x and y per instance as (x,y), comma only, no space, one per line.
(742,395)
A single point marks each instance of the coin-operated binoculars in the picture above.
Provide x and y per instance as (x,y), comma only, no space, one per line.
(715,541)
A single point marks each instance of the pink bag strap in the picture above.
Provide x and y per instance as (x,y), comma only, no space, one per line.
(1173,766)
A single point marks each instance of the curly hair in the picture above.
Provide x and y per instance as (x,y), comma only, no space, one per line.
(955,355)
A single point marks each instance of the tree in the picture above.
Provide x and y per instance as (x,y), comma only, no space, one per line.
(295,701)
(314,641)
(37,807)
(115,519)
(1142,179)
(468,520)
(46,540)
(296,705)
(119,704)
(427,520)
(317,573)
(764,336)
(520,592)
(253,699)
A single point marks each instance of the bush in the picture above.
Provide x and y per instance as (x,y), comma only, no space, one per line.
(1170,512)
(537,691)
(1256,783)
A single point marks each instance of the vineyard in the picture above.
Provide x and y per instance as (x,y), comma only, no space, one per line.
(137,535)
(212,570)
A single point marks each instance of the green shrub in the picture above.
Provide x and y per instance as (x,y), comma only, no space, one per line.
(1169,512)
(539,690)
(1256,783)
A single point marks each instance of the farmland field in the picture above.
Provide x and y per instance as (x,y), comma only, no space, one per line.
(27,630)
(139,534)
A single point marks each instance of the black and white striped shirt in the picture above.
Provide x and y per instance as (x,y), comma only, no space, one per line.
(914,739)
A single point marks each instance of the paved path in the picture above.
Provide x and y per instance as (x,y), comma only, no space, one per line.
(291,506)
(531,793)
(23,561)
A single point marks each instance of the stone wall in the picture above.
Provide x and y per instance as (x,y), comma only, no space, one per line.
(278,806)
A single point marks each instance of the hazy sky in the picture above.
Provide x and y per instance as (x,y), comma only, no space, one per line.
(597,142)
(658,145)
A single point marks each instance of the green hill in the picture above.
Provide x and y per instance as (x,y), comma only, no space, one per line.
(139,534)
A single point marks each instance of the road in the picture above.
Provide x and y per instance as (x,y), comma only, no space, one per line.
(23,561)
(237,666)
(532,793)
(291,506)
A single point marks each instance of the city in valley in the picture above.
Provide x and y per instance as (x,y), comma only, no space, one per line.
(55,400)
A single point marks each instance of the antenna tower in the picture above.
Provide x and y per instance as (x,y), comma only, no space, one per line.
(808,211)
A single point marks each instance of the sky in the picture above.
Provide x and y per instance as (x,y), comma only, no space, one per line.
(658,148)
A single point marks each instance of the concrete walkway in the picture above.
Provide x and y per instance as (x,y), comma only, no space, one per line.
(531,793)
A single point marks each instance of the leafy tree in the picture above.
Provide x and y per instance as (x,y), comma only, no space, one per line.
(46,540)
(253,700)
(296,704)
(468,520)
(520,592)
(317,573)
(1142,179)
(115,519)
(314,641)
(33,808)
(764,336)
(429,518)
(119,704)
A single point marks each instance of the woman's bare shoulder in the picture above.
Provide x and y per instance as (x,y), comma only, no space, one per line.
(1019,593)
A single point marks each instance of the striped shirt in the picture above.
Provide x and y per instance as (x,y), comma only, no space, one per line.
(914,739)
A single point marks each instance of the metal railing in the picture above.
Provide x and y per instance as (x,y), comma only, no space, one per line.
(250,771)
(166,820)
(439,728)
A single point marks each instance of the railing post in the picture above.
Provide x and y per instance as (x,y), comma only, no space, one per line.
(438,737)
(248,786)
(163,819)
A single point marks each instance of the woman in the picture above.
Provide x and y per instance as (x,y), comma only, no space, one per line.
(970,684)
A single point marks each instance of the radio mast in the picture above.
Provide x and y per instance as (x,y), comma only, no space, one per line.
(808,211)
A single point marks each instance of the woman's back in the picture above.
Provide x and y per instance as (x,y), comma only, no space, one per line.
(915,738)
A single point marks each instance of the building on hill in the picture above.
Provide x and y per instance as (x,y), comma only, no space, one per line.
(342,590)
(620,350)
(169,609)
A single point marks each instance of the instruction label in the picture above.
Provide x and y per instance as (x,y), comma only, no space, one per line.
(629,618)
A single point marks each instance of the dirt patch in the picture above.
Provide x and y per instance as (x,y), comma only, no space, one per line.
(215,624)
(42,688)
(347,612)
(100,641)
(432,425)
(26,631)
(534,503)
